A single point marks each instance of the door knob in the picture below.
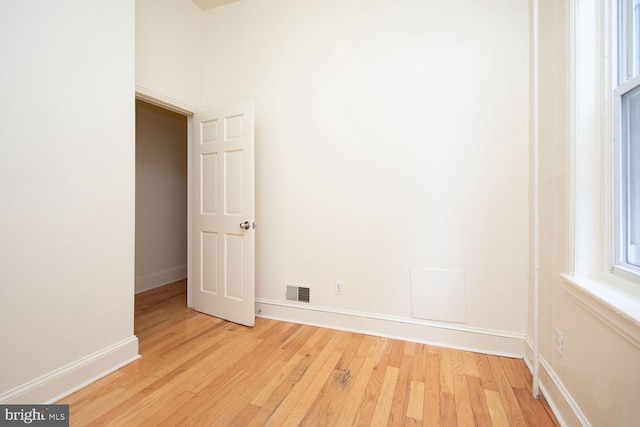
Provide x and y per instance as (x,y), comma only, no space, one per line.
(245,225)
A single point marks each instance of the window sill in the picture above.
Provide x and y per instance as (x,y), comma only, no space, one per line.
(618,309)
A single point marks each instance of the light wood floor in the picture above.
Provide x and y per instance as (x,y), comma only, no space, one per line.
(202,371)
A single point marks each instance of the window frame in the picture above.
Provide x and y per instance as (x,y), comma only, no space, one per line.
(626,69)
(589,279)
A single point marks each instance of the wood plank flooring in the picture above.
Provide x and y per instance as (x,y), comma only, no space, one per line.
(198,370)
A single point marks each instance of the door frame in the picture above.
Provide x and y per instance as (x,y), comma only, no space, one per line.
(155,98)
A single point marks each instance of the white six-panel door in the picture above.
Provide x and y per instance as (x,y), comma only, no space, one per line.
(223,237)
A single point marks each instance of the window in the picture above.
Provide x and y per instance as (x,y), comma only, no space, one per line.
(627,122)
(601,212)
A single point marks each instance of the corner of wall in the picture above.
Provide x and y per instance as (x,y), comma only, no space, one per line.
(558,397)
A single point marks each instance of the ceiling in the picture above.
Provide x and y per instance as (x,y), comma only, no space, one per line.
(210,4)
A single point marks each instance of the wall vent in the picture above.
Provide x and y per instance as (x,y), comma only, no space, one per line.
(298,293)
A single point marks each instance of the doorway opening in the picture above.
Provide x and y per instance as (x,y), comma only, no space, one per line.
(161,196)
(224,156)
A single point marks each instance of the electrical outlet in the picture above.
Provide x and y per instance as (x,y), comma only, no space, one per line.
(339,287)
(559,341)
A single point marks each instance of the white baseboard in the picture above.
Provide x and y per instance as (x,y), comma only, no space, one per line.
(160,278)
(57,384)
(441,334)
(560,401)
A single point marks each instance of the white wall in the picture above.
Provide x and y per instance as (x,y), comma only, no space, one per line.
(67,194)
(389,136)
(596,381)
(168,51)
(161,196)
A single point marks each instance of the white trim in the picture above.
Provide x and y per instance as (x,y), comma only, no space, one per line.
(615,308)
(562,404)
(57,384)
(587,125)
(190,144)
(500,343)
(571,168)
(156,98)
(160,278)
